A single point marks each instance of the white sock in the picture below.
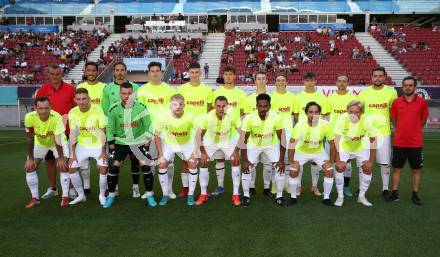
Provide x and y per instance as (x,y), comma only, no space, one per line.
(102,184)
(65,181)
(185,179)
(365,183)
(300,175)
(85,174)
(170,172)
(314,171)
(348,169)
(293,183)
(204,180)
(220,172)
(253,176)
(75,178)
(267,175)
(385,172)
(339,181)
(235,173)
(192,179)
(246,183)
(279,178)
(328,184)
(163,179)
(32,182)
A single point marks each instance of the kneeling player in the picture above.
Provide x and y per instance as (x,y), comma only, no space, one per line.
(128,132)
(263,135)
(354,140)
(45,132)
(219,135)
(173,135)
(87,140)
(306,145)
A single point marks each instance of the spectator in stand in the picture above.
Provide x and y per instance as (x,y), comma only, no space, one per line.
(206,70)
(362,82)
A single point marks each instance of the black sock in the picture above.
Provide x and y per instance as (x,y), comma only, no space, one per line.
(346,181)
(414,194)
(135,172)
(148,178)
(112,178)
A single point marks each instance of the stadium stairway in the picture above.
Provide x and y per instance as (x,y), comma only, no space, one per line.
(394,69)
(76,73)
(212,52)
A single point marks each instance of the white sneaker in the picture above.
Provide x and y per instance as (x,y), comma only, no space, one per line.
(339,202)
(72,193)
(102,199)
(78,199)
(50,193)
(172,195)
(364,201)
(136,193)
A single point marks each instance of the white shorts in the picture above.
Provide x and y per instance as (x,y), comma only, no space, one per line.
(183,151)
(41,151)
(318,158)
(360,156)
(84,153)
(383,151)
(272,153)
(224,150)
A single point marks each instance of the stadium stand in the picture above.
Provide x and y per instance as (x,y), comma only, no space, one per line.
(418,49)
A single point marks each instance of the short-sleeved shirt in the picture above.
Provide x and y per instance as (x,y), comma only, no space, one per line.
(310,140)
(156,98)
(62,100)
(409,117)
(284,105)
(303,98)
(45,131)
(338,105)
(223,130)
(236,98)
(111,95)
(377,104)
(89,124)
(262,132)
(251,103)
(175,131)
(354,136)
(197,98)
(96,92)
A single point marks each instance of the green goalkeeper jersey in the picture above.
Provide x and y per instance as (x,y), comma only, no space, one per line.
(110,96)
(129,126)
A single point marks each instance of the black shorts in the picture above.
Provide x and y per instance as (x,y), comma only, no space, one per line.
(121,152)
(49,156)
(414,156)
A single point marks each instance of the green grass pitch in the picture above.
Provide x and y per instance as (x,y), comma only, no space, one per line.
(130,228)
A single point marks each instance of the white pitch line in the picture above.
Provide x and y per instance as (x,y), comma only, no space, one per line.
(12,143)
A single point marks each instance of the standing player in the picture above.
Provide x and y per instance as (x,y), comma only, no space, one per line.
(338,102)
(237,100)
(174,135)
(219,135)
(302,99)
(87,140)
(307,145)
(408,140)
(96,90)
(61,96)
(263,134)
(377,100)
(198,101)
(111,97)
(45,132)
(354,139)
(156,95)
(129,131)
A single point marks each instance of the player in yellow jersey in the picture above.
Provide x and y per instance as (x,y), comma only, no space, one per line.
(263,134)
(354,139)
(198,101)
(156,95)
(237,101)
(307,145)
(338,102)
(96,90)
(310,94)
(87,140)
(219,136)
(45,132)
(174,136)
(377,100)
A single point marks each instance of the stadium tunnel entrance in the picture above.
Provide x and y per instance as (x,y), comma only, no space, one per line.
(216,23)
(273,22)
(120,22)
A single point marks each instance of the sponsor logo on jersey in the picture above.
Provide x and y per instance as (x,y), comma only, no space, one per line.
(44,136)
(156,101)
(179,134)
(284,109)
(196,103)
(91,128)
(339,111)
(133,124)
(378,106)
(95,101)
